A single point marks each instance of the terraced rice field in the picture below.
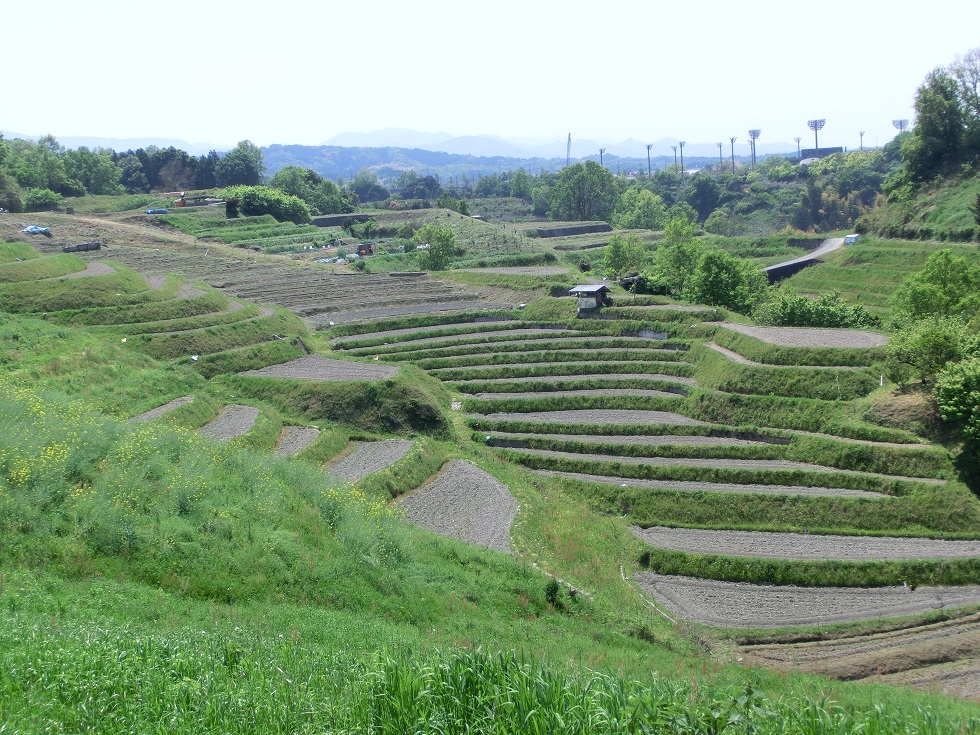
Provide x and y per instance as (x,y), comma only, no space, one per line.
(160,410)
(530,369)
(294,439)
(369,457)
(233,422)
(466,503)
(742,605)
(317,367)
(315,293)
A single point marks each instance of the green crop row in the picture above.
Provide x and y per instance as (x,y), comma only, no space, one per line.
(930,512)
(253,357)
(719,373)
(746,476)
(219,338)
(186,324)
(142,314)
(39,268)
(123,286)
(526,343)
(557,359)
(675,367)
(815,573)
(585,383)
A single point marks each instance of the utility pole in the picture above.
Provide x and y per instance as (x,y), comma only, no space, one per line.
(753,135)
(862,139)
(601,151)
(674,148)
(721,161)
(649,171)
(568,151)
(683,143)
(815,126)
(798,154)
(733,139)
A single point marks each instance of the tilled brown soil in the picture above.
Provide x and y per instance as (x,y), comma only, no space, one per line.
(294,439)
(940,655)
(232,422)
(714,487)
(317,367)
(160,410)
(369,457)
(809,337)
(593,417)
(742,605)
(466,503)
(765,545)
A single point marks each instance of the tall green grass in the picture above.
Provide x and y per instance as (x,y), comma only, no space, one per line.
(11,252)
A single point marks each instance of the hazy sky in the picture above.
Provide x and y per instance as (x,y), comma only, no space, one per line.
(300,72)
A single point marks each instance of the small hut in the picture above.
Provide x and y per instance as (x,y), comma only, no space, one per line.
(591,296)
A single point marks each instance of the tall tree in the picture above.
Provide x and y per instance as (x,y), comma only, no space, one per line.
(583,191)
(936,143)
(242,165)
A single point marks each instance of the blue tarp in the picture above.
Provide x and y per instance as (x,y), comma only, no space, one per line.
(158,211)
(36,230)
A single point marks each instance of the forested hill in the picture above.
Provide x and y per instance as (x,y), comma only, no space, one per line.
(333,161)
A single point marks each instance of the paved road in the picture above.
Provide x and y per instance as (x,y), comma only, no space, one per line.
(827,246)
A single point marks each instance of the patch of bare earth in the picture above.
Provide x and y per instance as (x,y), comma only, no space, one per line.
(643,440)
(91,270)
(160,410)
(809,336)
(465,503)
(295,439)
(941,656)
(317,367)
(713,487)
(369,457)
(743,605)
(765,545)
(232,422)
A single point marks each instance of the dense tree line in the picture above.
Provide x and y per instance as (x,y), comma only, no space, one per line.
(37,175)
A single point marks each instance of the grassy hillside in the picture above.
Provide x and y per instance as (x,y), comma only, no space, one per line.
(215,586)
(938,211)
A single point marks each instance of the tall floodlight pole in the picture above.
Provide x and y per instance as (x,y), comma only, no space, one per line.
(601,151)
(649,146)
(683,143)
(754,135)
(733,139)
(674,148)
(861,133)
(721,161)
(900,125)
(798,154)
(816,125)
(568,151)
